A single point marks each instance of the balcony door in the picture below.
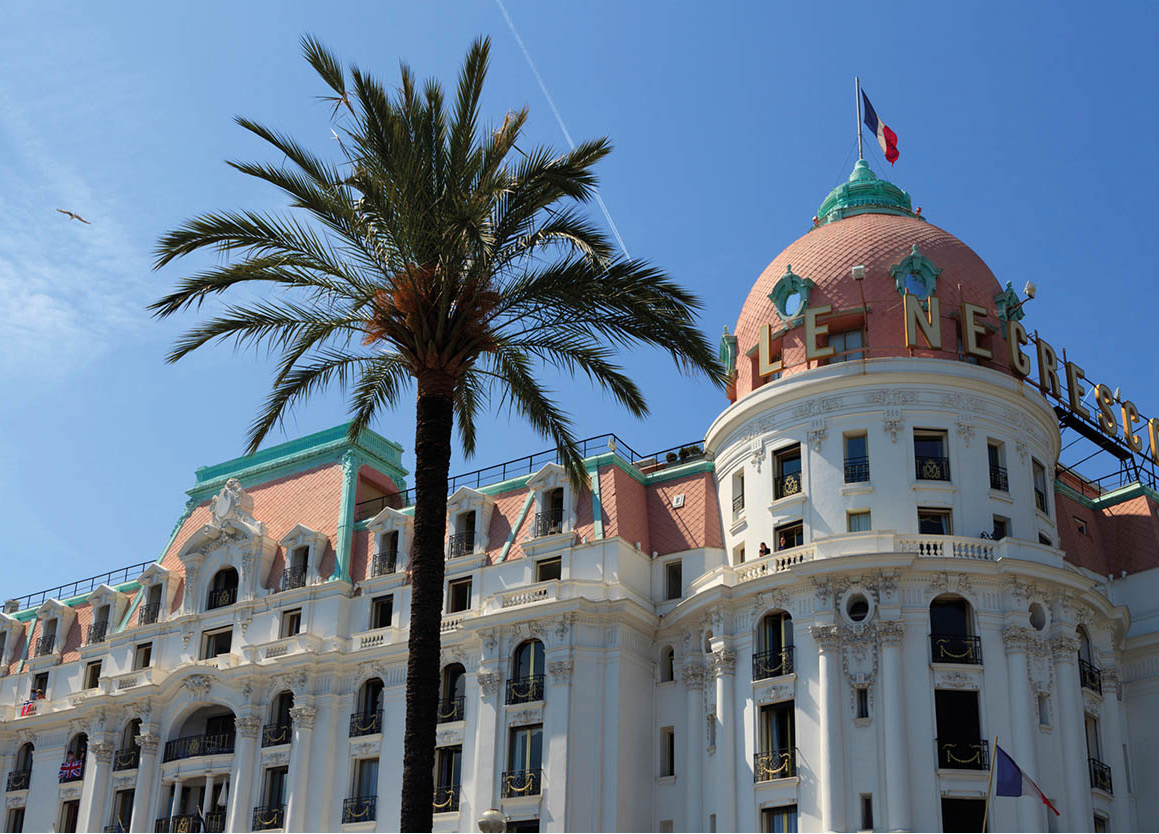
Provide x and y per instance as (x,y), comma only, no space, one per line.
(366,778)
(526,751)
(959,725)
(776,727)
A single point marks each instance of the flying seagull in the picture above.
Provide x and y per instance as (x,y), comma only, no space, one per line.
(73,215)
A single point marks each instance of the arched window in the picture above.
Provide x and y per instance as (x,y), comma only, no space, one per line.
(131,731)
(72,769)
(1084,644)
(774,646)
(368,718)
(952,638)
(527,666)
(453,700)
(128,754)
(280,725)
(223,589)
(18,779)
(667,665)
(78,745)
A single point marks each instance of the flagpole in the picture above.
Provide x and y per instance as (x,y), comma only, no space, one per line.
(857,99)
(990,785)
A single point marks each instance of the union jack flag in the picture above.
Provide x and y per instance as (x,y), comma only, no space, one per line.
(71,770)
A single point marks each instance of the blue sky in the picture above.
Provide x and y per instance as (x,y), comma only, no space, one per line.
(1027,134)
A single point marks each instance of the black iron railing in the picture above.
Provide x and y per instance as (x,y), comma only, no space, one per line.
(127,758)
(215,822)
(222,597)
(856,470)
(1040,500)
(76,776)
(210,744)
(931,468)
(770,664)
(180,823)
(278,733)
(293,578)
(366,723)
(96,633)
(147,614)
(446,799)
(268,816)
(45,644)
(161,824)
(525,690)
(963,754)
(998,479)
(956,648)
(738,504)
(359,809)
(462,543)
(522,783)
(776,764)
(549,523)
(384,563)
(787,484)
(373,506)
(82,586)
(1100,775)
(452,709)
(1090,676)
(18,779)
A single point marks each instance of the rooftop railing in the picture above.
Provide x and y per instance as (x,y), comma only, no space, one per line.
(81,586)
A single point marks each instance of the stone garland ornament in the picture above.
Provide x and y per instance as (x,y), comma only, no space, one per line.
(248,726)
(488,683)
(693,676)
(560,670)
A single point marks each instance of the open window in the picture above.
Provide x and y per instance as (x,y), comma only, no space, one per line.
(222,589)
(953,638)
(787,472)
(393,533)
(469,512)
(555,502)
(527,667)
(773,654)
(454,690)
(303,550)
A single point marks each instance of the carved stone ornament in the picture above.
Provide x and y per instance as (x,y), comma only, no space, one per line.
(892,423)
(1016,638)
(523,717)
(816,436)
(827,637)
(148,743)
(26,737)
(276,758)
(1092,703)
(890,632)
(823,591)
(887,588)
(1022,449)
(488,683)
(560,670)
(124,780)
(773,694)
(198,685)
(724,662)
(449,736)
(303,716)
(859,654)
(1064,647)
(102,751)
(77,725)
(366,748)
(248,726)
(16,800)
(693,675)
(232,502)
(1039,668)
(1111,682)
(966,431)
(70,791)
(955,680)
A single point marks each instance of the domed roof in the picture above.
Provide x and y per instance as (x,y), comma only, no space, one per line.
(865,222)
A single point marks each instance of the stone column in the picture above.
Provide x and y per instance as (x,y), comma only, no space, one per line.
(556,710)
(146,777)
(485,728)
(1112,719)
(1023,719)
(175,804)
(298,801)
(1065,647)
(241,777)
(694,748)
(832,766)
(897,782)
(207,796)
(95,794)
(331,782)
(724,668)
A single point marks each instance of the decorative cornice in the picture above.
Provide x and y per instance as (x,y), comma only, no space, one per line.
(248,726)
(1016,638)
(560,670)
(890,632)
(488,683)
(303,716)
(1064,647)
(693,675)
(723,662)
(198,685)
(148,743)
(826,637)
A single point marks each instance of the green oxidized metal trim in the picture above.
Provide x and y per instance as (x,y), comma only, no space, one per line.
(597,507)
(351,463)
(1007,303)
(924,271)
(728,350)
(864,193)
(787,285)
(515,527)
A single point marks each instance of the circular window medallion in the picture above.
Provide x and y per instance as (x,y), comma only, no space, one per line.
(1038,617)
(857,606)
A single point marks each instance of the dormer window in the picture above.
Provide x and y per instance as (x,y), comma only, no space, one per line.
(223,589)
(46,643)
(150,611)
(462,540)
(303,549)
(295,573)
(554,504)
(392,531)
(386,559)
(469,517)
(550,520)
(99,626)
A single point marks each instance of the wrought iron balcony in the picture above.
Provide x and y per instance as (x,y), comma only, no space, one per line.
(221,598)
(96,633)
(190,823)
(293,578)
(359,809)
(856,470)
(452,709)
(525,690)
(365,723)
(956,648)
(522,783)
(548,523)
(462,544)
(777,764)
(787,484)
(446,799)
(18,779)
(215,822)
(210,744)
(932,469)
(384,563)
(1040,500)
(963,754)
(45,644)
(773,663)
(278,733)
(998,479)
(127,758)
(1100,775)
(148,614)
(268,816)
(738,505)
(1091,676)
(161,824)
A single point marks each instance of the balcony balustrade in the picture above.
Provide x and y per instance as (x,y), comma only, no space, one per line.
(292,578)
(266,817)
(451,709)
(956,648)
(998,479)
(210,744)
(932,468)
(1091,676)
(522,783)
(961,754)
(773,663)
(462,544)
(221,598)
(45,645)
(148,614)
(365,723)
(548,523)
(786,485)
(359,809)
(776,764)
(738,505)
(856,470)
(525,690)
(384,563)
(96,633)
(277,733)
(446,799)
(1100,775)
(127,758)
(18,779)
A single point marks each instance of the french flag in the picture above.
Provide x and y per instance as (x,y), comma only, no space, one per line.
(885,137)
(1011,781)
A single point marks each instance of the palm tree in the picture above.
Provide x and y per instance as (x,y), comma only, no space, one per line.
(439,253)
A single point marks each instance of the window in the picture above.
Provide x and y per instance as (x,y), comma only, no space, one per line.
(386,560)
(3,645)
(1044,710)
(788,472)
(857,608)
(527,665)
(524,760)
(738,555)
(462,541)
(15,819)
(960,743)
(275,786)
(846,346)
(448,775)
(291,622)
(776,742)
(666,826)
(1040,487)
(40,683)
(223,589)
(856,458)
(867,812)
(93,675)
(150,611)
(122,810)
(667,751)
(674,580)
(214,643)
(934,522)
(773,653)
(294,574)
(382,609)
(863,709)
(548,569)
(952,638)
(142,656)
(1079,524)
(549,521)
(1045,539)
(738,494)
(1001,528)
(857,521)
(69,812)
(930,460)
(366,778)
(963,814)
(782,819)
(996,450)
(668,665)
(458,595)
(789,535)
(1100,824)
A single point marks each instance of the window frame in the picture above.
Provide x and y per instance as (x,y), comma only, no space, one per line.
(214,634)
(858,513)
(673,570)
(552,561)
(667,752)
(941,512)
(377,605)
(454,585)
(91,682)
(288,617)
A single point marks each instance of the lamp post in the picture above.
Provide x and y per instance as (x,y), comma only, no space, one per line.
(492,821)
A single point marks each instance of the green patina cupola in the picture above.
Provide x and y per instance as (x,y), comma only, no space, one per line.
(864,193)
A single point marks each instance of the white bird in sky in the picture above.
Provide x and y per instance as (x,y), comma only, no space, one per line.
(73,215)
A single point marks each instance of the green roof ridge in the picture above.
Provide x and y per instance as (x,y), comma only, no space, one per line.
(864,193)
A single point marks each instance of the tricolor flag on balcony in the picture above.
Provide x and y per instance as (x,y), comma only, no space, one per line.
(885,137)
(1011,781)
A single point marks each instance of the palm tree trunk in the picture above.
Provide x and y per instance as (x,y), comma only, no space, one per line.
(432,464)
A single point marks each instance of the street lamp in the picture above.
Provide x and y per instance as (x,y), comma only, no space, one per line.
(492,821)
